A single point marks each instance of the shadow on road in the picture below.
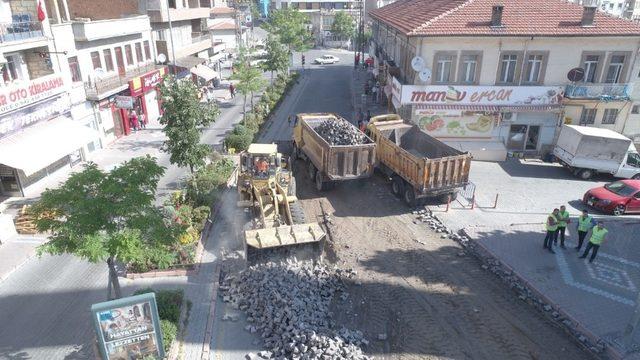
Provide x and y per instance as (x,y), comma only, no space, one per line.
(540,169)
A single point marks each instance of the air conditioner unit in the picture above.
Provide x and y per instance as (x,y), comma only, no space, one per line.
(507,116)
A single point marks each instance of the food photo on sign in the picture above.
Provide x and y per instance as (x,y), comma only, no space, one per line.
(455,124)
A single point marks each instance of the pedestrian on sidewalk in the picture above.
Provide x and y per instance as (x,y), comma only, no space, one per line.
(133,121)
(598,234)
(289,120)
(552,230)
(585,223)
(232,90)
(374,93)
(143,120)
(563,220)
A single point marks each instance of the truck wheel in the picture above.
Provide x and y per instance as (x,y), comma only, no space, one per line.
(585,174)
(397,186)
(297,214)
(294,152)
(410,196)
(291,190)
(320,185)
(311,171)
(619,210)
(636,177)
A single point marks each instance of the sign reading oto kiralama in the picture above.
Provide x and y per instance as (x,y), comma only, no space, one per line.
(481,95)
(16,96)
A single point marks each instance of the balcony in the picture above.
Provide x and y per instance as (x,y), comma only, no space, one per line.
(179,14)
(20,31)
(598,91)
(103,87)
(198,44)
(103,29)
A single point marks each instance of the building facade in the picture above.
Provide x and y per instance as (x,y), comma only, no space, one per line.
(493,80)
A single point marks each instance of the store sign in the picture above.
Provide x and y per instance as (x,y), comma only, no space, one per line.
(396,91)
(456,123)
(128,328)
(16,96)
(146,82)
(29,115)
(123,102)
(482,95)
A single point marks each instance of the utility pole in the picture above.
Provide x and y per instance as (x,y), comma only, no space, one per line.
(173,51)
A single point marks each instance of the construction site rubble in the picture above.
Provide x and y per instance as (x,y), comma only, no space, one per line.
(287,304)
(340,132)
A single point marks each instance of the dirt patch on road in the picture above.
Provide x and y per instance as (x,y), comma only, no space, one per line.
(419,295)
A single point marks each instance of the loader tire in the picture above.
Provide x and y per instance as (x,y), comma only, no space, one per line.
(297,214)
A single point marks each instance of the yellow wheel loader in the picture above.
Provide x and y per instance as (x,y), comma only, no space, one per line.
(267,187)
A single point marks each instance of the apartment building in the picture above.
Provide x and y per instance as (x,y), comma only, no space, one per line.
(619,8)
(38,136)
(492,79)
(226,29)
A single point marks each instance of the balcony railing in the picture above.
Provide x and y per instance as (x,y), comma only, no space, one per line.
(599,91)
(102,87)
(17,31)
(198,37)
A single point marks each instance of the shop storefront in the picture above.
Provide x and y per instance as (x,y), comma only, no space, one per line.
(37,135)
(145,94)
(487,121)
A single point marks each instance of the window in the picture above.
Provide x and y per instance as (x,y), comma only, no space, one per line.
(614,72)
(159,35)
(591,68)
(147,51)
(139,52)
(588,117)
(309,6)
(635,109)
(633,159)
(129,54)
(508,68)
(11,70)
(95,59)
(74,68)
(469,69)
(611,6)
(444,64)
(609,116)
(108,60)
(534,68)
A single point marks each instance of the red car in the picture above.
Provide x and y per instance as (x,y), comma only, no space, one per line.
(617,198)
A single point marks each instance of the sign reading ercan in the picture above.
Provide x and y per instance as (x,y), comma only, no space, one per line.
(482,95)
(16,96)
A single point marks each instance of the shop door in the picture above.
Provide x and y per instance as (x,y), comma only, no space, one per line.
(120,61)
(517,136)
(9,185)
(532,138)
(118,124)
(151,106)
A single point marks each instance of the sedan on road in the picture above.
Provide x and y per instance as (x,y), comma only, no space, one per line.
(327,59)
(617,198)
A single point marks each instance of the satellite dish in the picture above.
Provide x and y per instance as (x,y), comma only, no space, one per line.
(575,74)
(425,74)
(162,58)
(417,63)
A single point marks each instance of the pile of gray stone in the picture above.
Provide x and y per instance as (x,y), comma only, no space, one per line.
(287,304)
(340,132)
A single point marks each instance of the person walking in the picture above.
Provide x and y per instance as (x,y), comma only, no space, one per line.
(133,121)
(232,91)
(143,121)
(598,234)
(585,223)
(563,220)
(552,230)
(289,120)
(374,94)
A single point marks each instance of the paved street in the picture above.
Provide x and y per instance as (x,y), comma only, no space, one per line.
(513,231)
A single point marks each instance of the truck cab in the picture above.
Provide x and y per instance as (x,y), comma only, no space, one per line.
(630,167)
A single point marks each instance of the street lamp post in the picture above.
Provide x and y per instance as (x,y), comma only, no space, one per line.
(173,51)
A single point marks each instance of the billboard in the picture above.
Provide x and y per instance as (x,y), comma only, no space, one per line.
(128,328)
(481,95)
(456,124)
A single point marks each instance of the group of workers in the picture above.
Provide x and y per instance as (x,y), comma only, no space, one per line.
(556,226)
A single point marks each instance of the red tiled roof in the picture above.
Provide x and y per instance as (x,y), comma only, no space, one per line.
(223,25)
(519,18)
(222,10)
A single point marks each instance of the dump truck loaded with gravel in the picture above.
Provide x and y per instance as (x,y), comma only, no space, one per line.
(333,148)
(419,166)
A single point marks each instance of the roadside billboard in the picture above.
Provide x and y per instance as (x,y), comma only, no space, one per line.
(481,95)
(128,328)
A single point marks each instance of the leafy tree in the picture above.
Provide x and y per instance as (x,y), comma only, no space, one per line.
(277,56)
(343,25)
(249,79)
(106,216)
(184,118)
(291,28)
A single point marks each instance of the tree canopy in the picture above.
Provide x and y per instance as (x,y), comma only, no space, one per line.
(277,56)
(184,118)
(291,27)
(249,78)
(105,216)
(343,25)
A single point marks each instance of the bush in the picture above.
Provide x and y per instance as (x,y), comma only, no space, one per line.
(202,187)
(169,333)
(240,138)
(169,303)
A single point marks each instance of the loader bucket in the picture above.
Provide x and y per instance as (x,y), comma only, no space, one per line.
(284,235)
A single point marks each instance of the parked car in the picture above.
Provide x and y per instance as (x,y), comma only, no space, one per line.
(617,198)
(327,59)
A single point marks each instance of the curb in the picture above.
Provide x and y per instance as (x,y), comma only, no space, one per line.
(208,333)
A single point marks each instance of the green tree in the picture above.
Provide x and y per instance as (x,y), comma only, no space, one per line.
(184,118)
(277,56)
(291,28)
(105,216)
(249,79)
(343,25)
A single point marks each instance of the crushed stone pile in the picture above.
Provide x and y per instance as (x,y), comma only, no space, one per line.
(287,304)
(340,132)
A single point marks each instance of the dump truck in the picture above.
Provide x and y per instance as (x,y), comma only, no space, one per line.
(267,187)
(419,166)
(586,151)
(329,164)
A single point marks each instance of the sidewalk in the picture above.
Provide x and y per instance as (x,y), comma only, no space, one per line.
(361,101)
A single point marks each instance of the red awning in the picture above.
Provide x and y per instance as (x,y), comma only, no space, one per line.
(489,108)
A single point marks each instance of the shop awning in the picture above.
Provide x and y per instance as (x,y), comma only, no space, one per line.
(38,146)
(189,61)
(490,108)
(205,72)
